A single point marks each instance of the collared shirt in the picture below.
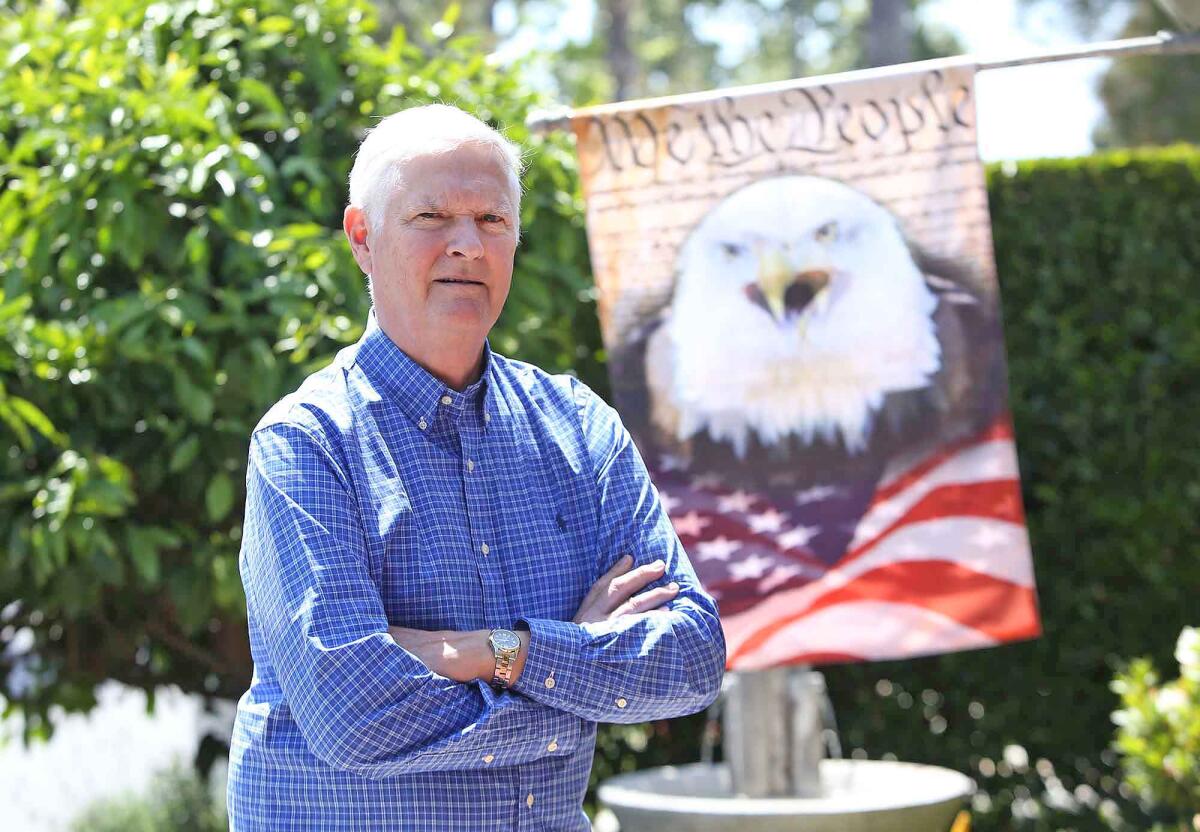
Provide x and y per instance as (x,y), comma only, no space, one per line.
(377,496)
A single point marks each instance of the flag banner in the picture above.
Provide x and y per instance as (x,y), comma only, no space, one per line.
(798,297)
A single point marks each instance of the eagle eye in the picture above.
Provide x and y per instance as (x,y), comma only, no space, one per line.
(827,233)
(732,249)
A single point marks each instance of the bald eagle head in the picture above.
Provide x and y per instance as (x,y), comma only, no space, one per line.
(797,308)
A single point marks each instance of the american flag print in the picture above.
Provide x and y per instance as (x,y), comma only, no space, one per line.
(938,561)
(798,297)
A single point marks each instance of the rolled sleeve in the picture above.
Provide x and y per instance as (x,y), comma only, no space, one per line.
(654,665)
(361,702)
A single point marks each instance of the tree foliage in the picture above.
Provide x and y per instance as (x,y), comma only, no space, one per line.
(172,177)
(678,46)
(1148,99)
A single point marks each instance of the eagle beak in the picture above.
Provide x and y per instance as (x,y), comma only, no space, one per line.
(783,290)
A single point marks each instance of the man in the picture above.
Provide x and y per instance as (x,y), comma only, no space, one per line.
(455,564)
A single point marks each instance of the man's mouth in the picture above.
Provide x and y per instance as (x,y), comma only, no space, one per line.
(459,281)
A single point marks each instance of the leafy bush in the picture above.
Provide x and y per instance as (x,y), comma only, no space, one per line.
(172,177)
(1158,733)
(177,801)
(1099,264)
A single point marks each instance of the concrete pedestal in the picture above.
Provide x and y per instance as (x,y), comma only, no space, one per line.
(858,796)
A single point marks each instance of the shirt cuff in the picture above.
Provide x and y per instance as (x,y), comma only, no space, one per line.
(554,672)
(545,733)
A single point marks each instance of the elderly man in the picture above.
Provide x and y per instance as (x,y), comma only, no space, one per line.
(455,564)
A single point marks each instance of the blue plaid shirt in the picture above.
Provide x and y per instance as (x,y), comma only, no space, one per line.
(377,496)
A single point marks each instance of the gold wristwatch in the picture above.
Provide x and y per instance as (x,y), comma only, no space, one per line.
(505,645)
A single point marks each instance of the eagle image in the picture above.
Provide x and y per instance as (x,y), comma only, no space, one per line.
(806,342)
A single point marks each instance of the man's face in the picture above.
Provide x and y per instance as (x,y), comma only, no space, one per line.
(441,258)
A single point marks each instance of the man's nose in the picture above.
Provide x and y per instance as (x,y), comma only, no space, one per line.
(464,239)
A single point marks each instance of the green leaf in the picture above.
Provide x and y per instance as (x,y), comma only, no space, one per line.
(35,418)
(143,551)
(218,497)
(196,401)
(276,24)
(185,454)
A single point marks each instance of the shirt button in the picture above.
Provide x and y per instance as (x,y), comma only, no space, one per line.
(422,424)
(550,681)
(485,548)
(487,417)
(446,400)
(529,800)
(621,703)
(487,758)
(553,746)
(470,465)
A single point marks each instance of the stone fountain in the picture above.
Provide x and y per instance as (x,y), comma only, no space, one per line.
(777,725)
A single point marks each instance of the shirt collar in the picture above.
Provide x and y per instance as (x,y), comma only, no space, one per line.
(420,395)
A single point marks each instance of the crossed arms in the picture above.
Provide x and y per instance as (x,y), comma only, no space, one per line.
(382,701)
(464,655)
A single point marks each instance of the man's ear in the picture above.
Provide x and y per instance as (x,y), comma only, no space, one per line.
(358,232)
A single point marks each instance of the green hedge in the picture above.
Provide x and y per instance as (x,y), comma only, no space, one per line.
(1099,264)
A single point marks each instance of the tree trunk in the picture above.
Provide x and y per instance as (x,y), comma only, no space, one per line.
(889,33)
(621,61)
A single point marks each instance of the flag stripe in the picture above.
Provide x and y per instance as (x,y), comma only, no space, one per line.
(990,461)
(1000,430)
(1001,610)
(896,630)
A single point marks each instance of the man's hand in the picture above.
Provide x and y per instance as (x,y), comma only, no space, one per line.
(613,595)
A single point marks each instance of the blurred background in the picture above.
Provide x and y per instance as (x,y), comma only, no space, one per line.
(172,176)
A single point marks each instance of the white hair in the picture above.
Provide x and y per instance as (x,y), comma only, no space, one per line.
(420,131)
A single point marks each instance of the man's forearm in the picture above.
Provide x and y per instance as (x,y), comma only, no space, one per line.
(653,665)
(464,656)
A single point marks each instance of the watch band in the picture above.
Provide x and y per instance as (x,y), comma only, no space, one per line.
(504,666)
(505,646)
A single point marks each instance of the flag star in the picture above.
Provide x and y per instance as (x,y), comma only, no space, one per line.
(669,503)
(690,524)
(779,576)
(769,521)
(737,501)
(717,549)
(706,481)
(799,536)
(668,462)
(752,567)
(817,492)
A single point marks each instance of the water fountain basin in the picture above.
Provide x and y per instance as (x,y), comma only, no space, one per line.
(860,796)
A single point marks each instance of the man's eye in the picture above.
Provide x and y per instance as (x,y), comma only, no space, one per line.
(491,218)
(429,215)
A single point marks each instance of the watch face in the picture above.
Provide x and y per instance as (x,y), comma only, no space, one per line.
(505,640)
